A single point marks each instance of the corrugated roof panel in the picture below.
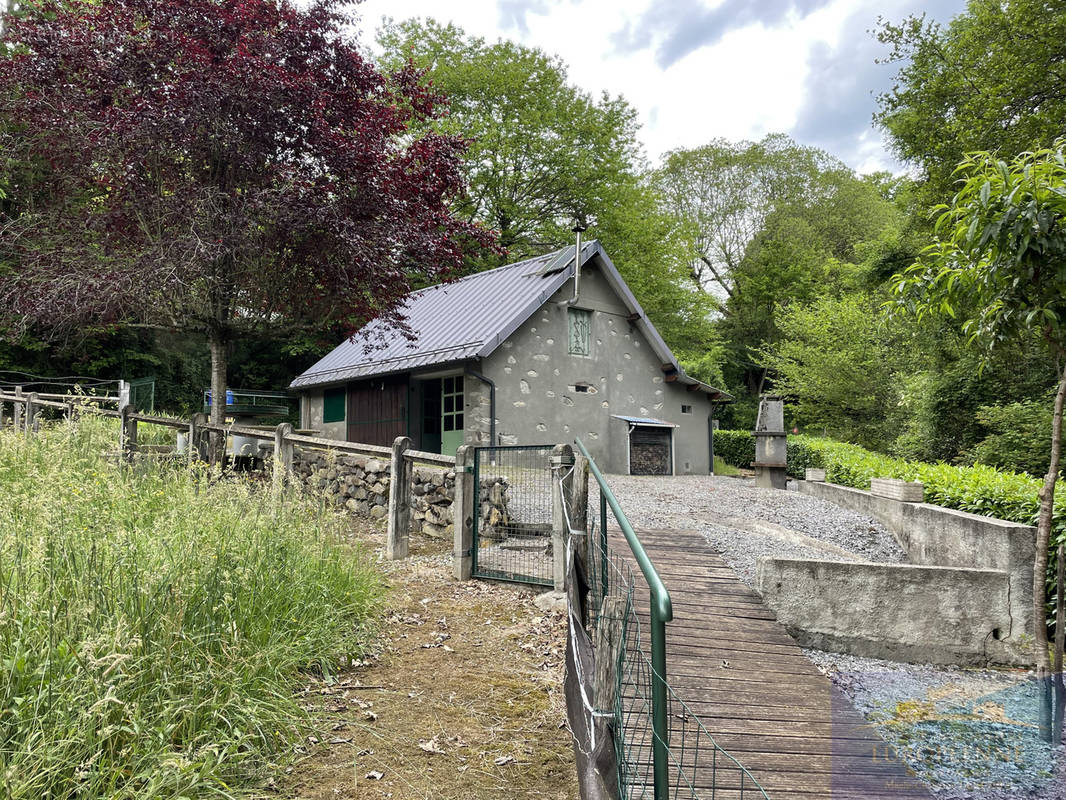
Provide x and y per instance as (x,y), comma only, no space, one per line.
(451,322)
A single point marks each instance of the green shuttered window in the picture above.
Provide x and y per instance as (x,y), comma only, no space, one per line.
(333,405)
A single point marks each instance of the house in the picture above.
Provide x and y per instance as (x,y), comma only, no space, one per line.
(536,352)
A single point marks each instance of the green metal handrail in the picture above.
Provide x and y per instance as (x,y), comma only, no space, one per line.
(662,611)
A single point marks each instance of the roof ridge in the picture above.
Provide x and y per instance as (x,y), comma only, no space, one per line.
(501,268)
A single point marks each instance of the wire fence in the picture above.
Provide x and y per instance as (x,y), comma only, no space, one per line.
(697,766)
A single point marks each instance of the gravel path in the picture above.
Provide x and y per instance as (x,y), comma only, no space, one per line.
(718,507)
(968,734)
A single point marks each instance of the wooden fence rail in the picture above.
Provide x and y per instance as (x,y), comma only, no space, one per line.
(26,410)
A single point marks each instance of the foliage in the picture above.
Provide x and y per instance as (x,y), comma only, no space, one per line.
(215,167)
(835,365)
(991,80)
(1017,436)
(978,489)
(542,152)
(153,623)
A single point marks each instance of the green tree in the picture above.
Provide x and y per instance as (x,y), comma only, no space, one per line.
(835,363)
(993,79)
(999,264)
(542,152)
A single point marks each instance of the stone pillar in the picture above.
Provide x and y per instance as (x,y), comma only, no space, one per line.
(464,507)
(562,459)
(398,533)
(771,444)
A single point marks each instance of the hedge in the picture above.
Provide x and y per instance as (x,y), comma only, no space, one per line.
(978,489)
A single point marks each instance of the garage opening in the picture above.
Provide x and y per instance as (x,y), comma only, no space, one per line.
(651,450)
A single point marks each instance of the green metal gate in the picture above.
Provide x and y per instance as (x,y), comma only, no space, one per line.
(513,514)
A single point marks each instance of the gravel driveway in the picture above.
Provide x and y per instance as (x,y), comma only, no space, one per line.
(743,522)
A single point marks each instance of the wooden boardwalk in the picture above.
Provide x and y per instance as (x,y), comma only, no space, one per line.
(756,693)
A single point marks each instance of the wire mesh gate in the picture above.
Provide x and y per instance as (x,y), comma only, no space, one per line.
(513,519)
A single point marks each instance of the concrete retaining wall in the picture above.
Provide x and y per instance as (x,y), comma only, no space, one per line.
(940,615)
(937,536)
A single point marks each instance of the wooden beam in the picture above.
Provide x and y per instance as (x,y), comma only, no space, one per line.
(669,368)
(633,317)
(673,376)
(694,387)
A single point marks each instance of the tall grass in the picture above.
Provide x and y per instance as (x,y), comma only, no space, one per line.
(153,623)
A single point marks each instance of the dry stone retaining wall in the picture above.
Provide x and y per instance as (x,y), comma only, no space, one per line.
(360,484)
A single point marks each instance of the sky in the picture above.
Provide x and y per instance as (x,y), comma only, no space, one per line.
(697,70)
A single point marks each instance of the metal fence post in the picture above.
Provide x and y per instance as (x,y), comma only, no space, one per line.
(398,534)
(31,414)
(464,507)
(562,458)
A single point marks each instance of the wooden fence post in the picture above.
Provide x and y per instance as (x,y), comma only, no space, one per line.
(31,414)
(282,456)
(578,486)
(464,507)
(608,651)
(195,435)
(17,410)
(127,434)
(398,536)
(562,459)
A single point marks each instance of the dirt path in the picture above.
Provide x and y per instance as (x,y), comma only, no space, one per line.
(465,700)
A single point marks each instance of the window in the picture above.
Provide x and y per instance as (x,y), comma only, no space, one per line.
(580,338)
(451,393)
(333,405)
(686,409)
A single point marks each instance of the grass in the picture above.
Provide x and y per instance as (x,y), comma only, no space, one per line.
(153,623)
(724,469)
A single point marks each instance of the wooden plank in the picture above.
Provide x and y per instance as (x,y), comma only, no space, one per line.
(770,707)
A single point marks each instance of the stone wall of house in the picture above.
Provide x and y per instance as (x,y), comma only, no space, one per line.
(360,484)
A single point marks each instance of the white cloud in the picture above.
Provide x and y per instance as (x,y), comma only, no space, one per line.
(736,69)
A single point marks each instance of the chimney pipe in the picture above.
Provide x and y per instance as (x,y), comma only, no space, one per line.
(579,228)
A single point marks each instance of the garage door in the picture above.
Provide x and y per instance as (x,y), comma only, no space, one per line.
(649,451)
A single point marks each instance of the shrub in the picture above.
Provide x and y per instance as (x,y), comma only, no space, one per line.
(153,623)
(1018,436)
(736,448)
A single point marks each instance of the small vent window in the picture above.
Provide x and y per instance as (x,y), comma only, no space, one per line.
(580,324)
(333,405)
(686,409)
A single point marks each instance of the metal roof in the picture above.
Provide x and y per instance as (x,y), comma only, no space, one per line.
(469,318)
(658,423)
(451,322)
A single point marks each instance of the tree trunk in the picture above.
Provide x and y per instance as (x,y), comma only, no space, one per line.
(1043,538)
(219,367)
(1060,641)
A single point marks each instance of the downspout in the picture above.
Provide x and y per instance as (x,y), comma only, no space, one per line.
(492,403)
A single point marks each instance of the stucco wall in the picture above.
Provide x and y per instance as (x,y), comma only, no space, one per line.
(535,376)
(311,417)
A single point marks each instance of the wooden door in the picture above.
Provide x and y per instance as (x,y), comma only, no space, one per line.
(377,410)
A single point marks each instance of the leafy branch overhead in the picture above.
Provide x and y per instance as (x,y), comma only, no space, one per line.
(999,258)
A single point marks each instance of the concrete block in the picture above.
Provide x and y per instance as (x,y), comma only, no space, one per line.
(814,475)
(904,491)
(902,612)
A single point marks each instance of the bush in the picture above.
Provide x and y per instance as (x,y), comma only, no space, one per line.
(153,623)
(1019,435)
(736,448)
